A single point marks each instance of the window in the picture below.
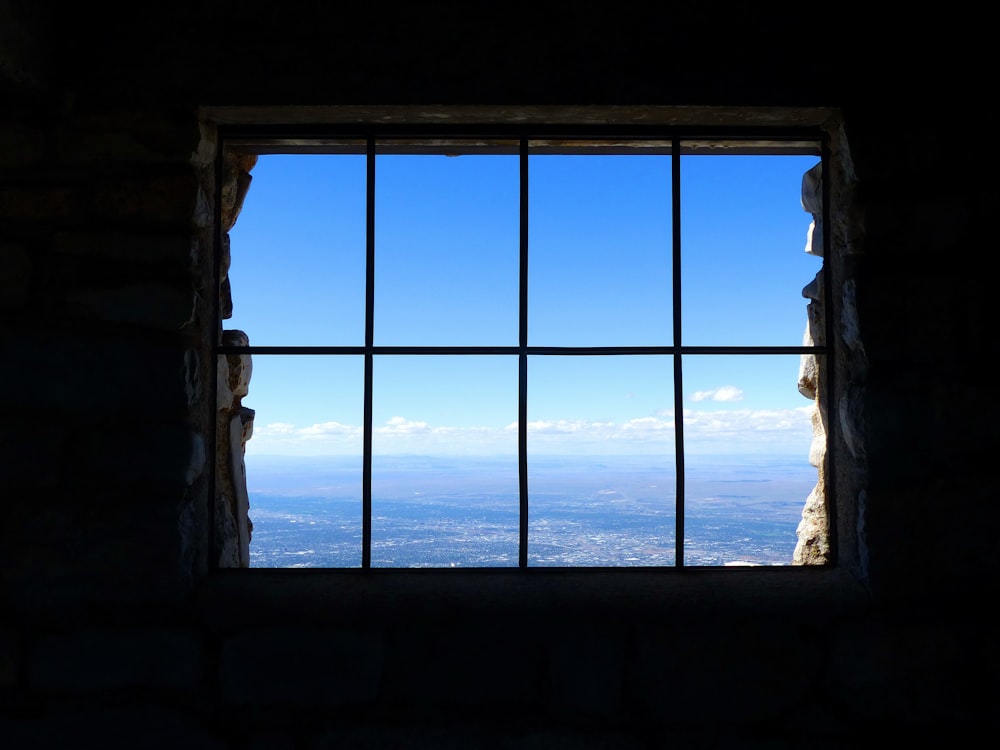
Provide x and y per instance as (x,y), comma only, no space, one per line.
(481,339)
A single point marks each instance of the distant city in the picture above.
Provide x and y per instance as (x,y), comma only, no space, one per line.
(584,511)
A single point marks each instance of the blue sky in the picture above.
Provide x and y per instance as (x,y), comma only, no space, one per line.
(446,273)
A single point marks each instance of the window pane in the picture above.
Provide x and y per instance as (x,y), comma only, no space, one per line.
(599,250)
(743,239)
(303,461)
(591,511)
(601,429)
(744,510)
(601,482)
(444,470)
(446,250)
(750,403)
(748,435)
(298,252)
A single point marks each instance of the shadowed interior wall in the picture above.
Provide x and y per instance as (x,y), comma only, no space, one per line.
(114,630)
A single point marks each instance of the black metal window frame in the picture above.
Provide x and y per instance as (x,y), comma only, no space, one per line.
(373,139)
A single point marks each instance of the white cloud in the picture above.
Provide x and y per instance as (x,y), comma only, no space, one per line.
(274,428)
(749,429)
(329,429)
(747,420)
(565,426)
(727,393)
(705,431)
(650,424)
(402,426)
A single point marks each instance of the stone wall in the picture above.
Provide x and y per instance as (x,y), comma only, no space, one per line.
(812,545)
(232,526)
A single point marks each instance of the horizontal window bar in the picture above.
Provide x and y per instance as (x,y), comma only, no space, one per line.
(513,350)
(556,139)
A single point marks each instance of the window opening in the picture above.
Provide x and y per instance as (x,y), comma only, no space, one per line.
(566,299)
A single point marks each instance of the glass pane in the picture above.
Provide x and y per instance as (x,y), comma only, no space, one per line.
(743,240)
(445,468)
(601,476)
(599,257)
(745,510)
(748,435)
(298,252)
(303,461)
(446,250)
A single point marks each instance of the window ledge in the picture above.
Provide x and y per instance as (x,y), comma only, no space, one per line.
(284,597)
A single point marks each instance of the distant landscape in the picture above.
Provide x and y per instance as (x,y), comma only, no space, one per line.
(614,511)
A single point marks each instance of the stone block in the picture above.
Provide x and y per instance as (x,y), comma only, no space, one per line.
(142,452)
(305,667)
(78,548)
(32,452)
(97,145)
(94,660)
(464,666)
(175,249)
(20,146)
(117,727)
(155,201)
(586,672)
(76,374)
(727,671)
(10,657)
(916,672)
(50,204)
(15,278)
(158,306)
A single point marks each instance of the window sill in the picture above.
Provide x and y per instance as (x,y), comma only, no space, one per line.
(271,597)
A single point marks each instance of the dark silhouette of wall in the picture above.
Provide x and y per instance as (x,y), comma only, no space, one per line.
(114,632)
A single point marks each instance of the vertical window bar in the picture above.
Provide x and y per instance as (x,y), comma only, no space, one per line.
(366,481)
(675,167)
(522,360)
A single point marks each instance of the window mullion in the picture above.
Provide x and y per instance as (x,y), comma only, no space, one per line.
(366,482)
(675,192)
(522,387)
